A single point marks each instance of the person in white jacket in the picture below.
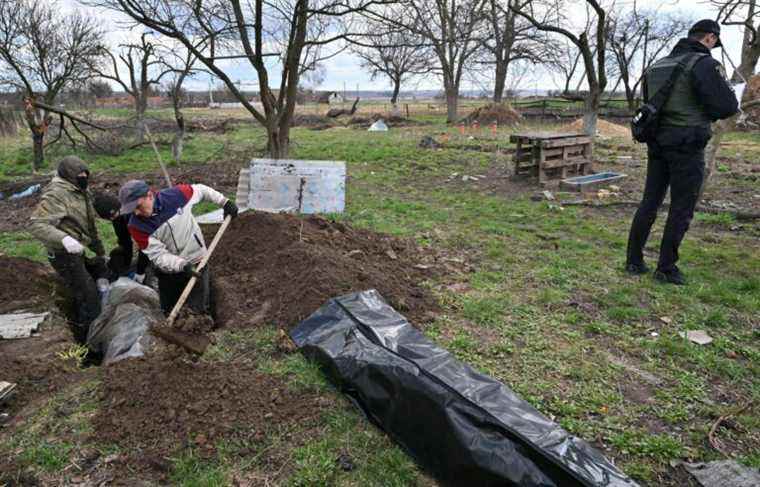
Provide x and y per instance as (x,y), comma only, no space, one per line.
(163,225)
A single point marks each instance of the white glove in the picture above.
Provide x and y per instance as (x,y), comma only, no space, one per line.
(72,245)
(102,284)
(139,278)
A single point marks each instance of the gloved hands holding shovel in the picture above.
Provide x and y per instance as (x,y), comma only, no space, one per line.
(189,269)
(230,208)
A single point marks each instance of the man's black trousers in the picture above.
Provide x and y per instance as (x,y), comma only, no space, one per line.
(171,285)
(683,169)
(79,275)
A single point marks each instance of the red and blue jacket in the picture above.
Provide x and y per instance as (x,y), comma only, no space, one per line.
(171,237)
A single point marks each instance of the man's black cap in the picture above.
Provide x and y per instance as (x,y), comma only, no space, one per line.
(708,26)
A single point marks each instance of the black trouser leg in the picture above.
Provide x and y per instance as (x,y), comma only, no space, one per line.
(658,178)
(171,285)
(687,173)
(81,284)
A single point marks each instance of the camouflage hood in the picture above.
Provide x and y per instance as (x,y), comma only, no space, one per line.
(70,166)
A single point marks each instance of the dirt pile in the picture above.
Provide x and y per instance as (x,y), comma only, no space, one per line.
(25,284)
(501,113)
(603,128)
(158,406)
(314,122)
(281,268)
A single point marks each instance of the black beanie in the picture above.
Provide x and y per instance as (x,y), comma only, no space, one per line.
(106,205)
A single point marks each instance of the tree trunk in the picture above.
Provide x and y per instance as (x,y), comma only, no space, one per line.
(278,142)
(38,121)
(396,89)
(452,99)
(750,56)
(500,81)
(719,129)
(38,142)
(141,105)
(591,113)
(179,137)
(750,50)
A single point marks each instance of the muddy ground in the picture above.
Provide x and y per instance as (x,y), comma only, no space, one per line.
(268,269)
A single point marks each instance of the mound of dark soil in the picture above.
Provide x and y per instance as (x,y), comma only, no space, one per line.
(159,406)
(315,122)
(501,113)
(281,268)
(25,284)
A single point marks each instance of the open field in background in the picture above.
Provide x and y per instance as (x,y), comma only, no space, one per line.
(545,307)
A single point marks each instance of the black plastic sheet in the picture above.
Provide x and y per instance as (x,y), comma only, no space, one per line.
(462,426)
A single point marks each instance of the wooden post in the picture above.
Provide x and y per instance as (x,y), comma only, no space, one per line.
(158,156)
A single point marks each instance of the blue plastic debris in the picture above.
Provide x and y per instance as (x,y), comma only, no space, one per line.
(26,193)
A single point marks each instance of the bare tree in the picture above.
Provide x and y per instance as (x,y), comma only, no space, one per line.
(509,37)
(548,16)
(747,14)
(249,26)
(180,63)
(100,89)
(43,52)
(138,68)
(565,61)
(452,29)
(394,53)
(636,38)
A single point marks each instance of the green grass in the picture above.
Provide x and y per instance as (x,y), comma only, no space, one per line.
(546,307)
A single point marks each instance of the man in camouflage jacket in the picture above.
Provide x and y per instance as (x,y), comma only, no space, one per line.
(64,221)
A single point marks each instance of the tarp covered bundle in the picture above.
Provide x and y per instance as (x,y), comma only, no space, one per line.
(462,426)
(121,329)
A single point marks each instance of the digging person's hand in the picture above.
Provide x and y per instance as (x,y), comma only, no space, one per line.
(231,209)
(139,278)
(72,245)
(190,270)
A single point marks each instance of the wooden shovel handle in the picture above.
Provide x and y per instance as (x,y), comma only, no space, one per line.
(189,287)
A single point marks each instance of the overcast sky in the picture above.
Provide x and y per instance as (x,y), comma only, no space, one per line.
(345,70)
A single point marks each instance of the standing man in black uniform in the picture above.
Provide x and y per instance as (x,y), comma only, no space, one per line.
(700,96)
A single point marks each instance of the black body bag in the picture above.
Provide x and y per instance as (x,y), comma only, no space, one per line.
(646,119)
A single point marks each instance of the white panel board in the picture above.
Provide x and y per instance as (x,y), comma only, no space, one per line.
(288,185)
(20,325)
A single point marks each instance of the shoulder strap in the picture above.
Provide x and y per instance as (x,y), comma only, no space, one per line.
(661,97)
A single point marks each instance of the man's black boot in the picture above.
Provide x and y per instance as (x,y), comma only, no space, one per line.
(636,269)
(670,277)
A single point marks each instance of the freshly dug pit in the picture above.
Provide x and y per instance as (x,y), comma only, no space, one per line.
(158,405)
(277,268)
(25,284)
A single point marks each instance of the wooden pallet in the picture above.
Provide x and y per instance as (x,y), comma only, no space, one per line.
(549,156)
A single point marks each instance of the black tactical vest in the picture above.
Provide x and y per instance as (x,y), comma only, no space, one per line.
(683,108)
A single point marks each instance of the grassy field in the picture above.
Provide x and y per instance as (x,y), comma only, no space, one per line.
(546,309)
